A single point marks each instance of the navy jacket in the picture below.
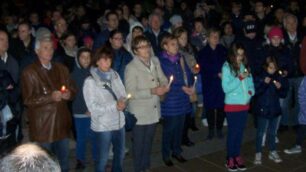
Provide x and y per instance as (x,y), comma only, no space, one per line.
(155,41)
(211,62)
(79,75)
(101,39)
(267,104)
(176,101)
(121,58)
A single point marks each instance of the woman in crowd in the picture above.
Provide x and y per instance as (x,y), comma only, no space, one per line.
(176,104)
(68,50)
(146,82)
(237,84)
(104,95)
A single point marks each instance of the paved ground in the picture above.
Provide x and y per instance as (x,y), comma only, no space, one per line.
(209,156)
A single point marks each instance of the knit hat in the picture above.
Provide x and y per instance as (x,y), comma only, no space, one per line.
(275,31)
(175,19)
(250,27)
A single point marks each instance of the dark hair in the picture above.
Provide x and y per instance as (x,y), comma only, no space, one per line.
(198,20)
(232,58)
(137,28)
(104,52)
(25,23)
(213,30)
(179,31)
(83,50)
(137,40)
(110,13)
(165,39)
(270,60)
(66,35)
(224,25)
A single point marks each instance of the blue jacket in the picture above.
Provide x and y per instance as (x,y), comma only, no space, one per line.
(79,75)
(121,58)
(176,101)
(155,40)
(302,102)
(211,62)
(267,103)
(236,90)
(101,39)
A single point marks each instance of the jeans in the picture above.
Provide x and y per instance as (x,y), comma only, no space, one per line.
(263,125)
(61,150)
(301,134)
(290,104)
(84,135)
(104,140)
(142,136)
(172,135)
(236,122)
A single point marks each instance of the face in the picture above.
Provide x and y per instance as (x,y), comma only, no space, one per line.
(137,9)
(136,32)
(104,64)
(116,41)
(240,55)
(183,39)
(34,18)
(56,15)
(259,7)
(291,24)
(61,26)
(4,44)
(45,51)
(85,59)
(143,50)
(276,41)
(171,47)
(213,39)
(155,23)
(279,14)
(271,68)
(70,41)
(24,32)
(113,21)
(198,27)
(228,30)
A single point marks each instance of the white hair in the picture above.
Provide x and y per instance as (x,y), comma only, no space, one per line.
(288,16)
(40,40)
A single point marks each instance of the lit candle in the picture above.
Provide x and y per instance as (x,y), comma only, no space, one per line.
(170,80)
(280,72)
(128,97)
(274,81)
(195,81)
(63,89)
(197,66)
(246,70)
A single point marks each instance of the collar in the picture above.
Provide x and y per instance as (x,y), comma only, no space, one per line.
(48,66)
(4,57)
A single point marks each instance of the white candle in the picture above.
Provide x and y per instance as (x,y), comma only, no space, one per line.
(246,70)
(274,81)
(280,72)
(170,80)
(128,97)
(195,81)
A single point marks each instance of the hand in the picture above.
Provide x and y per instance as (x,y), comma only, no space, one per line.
(121,105)
(267,80)
(56,96)
(188,90)
(159,91)
(285,73)
(88,113)
(277,84)
(10,87)
(66,95)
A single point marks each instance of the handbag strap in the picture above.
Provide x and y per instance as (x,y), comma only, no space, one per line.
(184,70)
(110,91)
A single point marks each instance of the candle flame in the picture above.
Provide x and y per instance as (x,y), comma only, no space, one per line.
(197,66)
(129,96)
(171,78)
(280,72)
(63,88)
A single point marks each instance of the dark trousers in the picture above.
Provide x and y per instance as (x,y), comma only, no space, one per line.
(301,134)
(172,135)
(215,118)
(187,125)
(142,136)
(236,122)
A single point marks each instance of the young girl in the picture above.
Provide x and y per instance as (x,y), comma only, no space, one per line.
(270,86)
(80,111)
(176,104)
(237,84)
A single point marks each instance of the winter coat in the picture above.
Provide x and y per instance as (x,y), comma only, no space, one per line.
(155,40)
(237,92)
(139,80)
(121,58)
(101,103)
(211,62)
(267,104)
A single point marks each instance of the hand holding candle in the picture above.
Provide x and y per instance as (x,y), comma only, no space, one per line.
(170,81)
(280,72)
(128,97)
(63,89)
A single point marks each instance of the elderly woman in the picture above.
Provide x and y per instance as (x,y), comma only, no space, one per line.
(145,81)
(104,95)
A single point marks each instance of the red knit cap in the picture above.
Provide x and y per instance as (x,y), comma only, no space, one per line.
(275,31)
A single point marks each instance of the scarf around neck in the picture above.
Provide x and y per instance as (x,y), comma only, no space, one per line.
(172,58)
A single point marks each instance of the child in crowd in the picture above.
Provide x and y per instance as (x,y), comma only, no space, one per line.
(80,112)
(237,84)
(301,133)
(270,86)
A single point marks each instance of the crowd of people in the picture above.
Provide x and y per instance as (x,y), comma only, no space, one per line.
(73,69)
